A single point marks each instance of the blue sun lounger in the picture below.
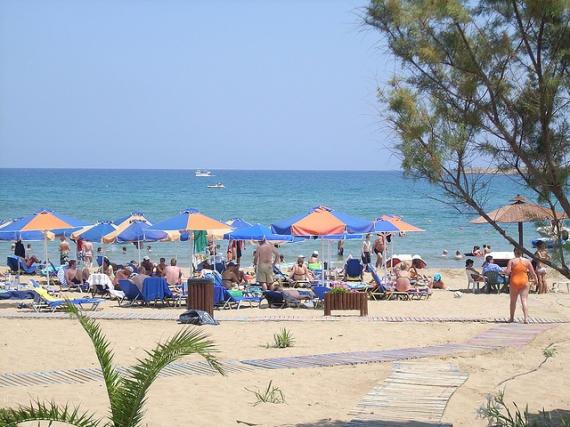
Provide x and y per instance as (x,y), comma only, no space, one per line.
(43,300)
(132,293)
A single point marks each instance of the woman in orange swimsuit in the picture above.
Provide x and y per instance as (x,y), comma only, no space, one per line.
(518,270)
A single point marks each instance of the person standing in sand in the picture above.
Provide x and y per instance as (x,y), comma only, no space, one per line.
(366,249)
(542,254)
(518,270)
(379,250)
(266,256)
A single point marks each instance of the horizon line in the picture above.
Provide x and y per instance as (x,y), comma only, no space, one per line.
(211,169)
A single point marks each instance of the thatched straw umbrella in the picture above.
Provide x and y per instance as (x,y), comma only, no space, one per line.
(519,211)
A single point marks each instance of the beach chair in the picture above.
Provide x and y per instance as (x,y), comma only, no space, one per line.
(17,265)
(353,270)
(130,291)
(237,298)
(274,300)
(320,292)
(492,281)
(281,278)
(153,290)
(44,300)
(473,281)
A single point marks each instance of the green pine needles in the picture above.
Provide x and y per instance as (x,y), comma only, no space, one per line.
(127,392)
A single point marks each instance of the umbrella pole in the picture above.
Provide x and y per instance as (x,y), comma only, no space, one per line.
(139,248)
(521,240)
(323,261)
(46,258)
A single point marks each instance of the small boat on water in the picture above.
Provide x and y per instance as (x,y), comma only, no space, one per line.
(218,185)
(203,172)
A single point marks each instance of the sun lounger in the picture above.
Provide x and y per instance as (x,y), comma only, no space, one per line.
(353,270)
(44,300)
(320,292)
(237,298)
(131,292)
(389,292)
(17,265)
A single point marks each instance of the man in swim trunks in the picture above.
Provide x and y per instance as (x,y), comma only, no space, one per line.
(518,270)
(266,256)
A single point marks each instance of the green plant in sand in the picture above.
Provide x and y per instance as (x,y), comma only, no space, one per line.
(127,392)
(282,339)
(271,394)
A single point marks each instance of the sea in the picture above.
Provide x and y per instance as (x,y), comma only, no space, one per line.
(257,196)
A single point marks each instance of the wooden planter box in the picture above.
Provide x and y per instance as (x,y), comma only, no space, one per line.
(348,301)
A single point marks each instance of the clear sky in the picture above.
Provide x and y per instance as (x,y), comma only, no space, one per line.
(191,84)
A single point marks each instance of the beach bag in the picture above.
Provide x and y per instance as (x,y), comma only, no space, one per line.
(197,317)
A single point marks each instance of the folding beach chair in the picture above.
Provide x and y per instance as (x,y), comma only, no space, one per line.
(17,265)
(130,291)
(353,270)
(320,292)
(45,300)
(237,298)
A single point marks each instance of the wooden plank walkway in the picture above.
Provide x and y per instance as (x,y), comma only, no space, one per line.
(171,315)
(500,336)
(415,394)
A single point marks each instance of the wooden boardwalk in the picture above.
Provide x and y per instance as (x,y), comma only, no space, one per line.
(500,336)
(172,315)
(415,394)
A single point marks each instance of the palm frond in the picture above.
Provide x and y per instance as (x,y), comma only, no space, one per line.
(104,354)
(40,411)
(132,396)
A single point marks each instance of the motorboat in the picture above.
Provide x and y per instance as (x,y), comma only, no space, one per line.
(218,185)
(550,231)
(203,172)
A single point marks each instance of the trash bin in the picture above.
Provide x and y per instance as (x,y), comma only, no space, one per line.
(201,295)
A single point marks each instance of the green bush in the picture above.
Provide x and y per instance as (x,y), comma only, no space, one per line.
(282,339)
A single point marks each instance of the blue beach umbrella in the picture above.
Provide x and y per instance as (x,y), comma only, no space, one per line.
(236,223)
(257,232)
(96,232)
(28,236)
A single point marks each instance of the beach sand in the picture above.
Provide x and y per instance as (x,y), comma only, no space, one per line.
(314,396)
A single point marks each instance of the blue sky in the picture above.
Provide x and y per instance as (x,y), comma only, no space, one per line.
(188,84)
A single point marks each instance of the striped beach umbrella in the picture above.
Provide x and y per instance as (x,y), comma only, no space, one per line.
(122,223)
(322,221)
(397,222)
(43,221)
(94,232)
(190,220)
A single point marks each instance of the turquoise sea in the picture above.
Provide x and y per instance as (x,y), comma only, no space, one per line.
(256,196)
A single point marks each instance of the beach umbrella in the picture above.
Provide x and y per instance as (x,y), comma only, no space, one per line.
(322,221)
(44,221)
(28,236)
(190,220)
(257,232)
(397,222)
(392,224)
(139,232)
(519,211)
(122,223)
(94,232)
(236,223)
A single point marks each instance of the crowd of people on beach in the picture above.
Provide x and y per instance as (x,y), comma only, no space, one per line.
(405,275)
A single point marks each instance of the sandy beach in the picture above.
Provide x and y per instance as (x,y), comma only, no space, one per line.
(316,396)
